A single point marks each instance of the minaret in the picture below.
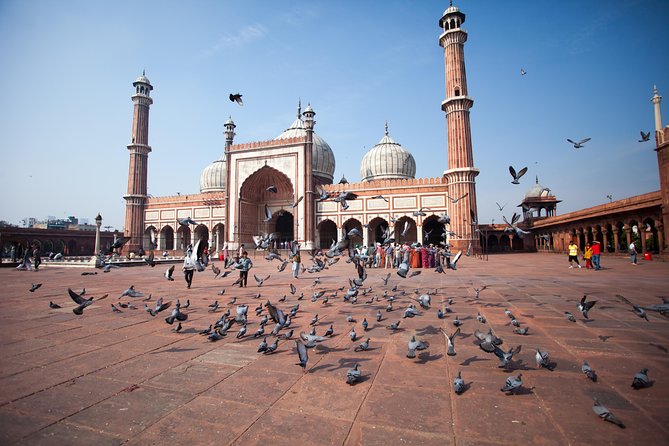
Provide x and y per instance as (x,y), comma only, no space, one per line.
(309,199)
(461,173)
(137,173)
(662,149)
(229,138)
(656,99)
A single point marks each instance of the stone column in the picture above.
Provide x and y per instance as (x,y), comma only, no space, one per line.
(628,234)
(605,241)
(642,234)
(660,238)
(616,239)
(419,234)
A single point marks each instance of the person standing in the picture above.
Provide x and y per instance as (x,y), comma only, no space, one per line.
(573,254)
(587,256)
(226,254)
(37,258)
(596,255)
(389,256)
(245,264)
(188,268)
(296,261)
(633,253)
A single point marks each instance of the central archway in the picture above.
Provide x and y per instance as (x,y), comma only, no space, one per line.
(253,196)
(284,227)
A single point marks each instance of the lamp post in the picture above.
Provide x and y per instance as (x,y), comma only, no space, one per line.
(95,260)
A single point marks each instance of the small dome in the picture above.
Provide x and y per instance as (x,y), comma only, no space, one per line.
(537,191)
(321,154)
(143,80)
(213,177)
(387,160)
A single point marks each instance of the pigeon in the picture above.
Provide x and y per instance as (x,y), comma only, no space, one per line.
(169,272)
(81,302)
(297,202)
(150,260)
(440,314)
(584,306)
(395,326)
(272,347)
(352,334)
(516,176)
(515,323)
(455,200)
(365,324)
(241,332)
(268,214)
(302,354)
(236,98)
(480,318)
(314,320)
(641,380)
(378,316)
(272,189)
(292,289)
(206,331)
(451,342)
(579,144)
(459,384)
(131,292)
(522,331)
(213,307)
(176,315)
(512,384)
(424,301)
(457,322)
(186,221)
(350,319)
(362,347)
(587,370)
(53,305)
(569,316)
(353,375)
(380,197)
(505,357)
(523,72)
(34,287)
(311,338)
(410,312)
(541,359)
(605,414)
(415,345)
(115,309)
(329,331)
(644,136)
(263,345)
(260,280)
(418,213)
(500,207)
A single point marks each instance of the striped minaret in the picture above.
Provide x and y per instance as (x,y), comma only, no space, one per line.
(137,173)
(461,174)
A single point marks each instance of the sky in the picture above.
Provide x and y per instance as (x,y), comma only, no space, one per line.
(67,71)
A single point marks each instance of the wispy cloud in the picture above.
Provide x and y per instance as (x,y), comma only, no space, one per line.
(245,35)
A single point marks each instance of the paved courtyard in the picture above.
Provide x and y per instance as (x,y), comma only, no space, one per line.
(128,378)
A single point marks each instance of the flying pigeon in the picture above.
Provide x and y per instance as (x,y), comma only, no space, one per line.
(81,301)
(516,176)
(500,207)
(236,98)
(34,287)
(168,273)
(260,280)
(455,200)
(523,72)
(302,353)
(451,342)
(579,144)
(298,201)
(644,136)
(186,221)
(268,213)
(584,306)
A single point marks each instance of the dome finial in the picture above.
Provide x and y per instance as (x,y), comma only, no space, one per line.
(144,72)
(299,107)
(386,127)
(536,179)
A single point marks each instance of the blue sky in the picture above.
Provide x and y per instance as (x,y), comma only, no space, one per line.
(67,72)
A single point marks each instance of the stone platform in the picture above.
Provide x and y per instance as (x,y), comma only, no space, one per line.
(109,378)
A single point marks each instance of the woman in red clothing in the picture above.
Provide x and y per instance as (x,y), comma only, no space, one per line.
(415,258)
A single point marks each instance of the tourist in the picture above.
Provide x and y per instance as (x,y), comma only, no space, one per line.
(36,257)
(596,255)
(573,254)
(188,267)
(226,254)
(587,255)
(397,255)
(633,253)
(245,264)
(379,255)
(388,263)
(296,261)
(205,256)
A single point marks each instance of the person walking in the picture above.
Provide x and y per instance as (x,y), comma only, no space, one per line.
(245,264)
(633,253)
(587,256)
(37,258)
(596,255)
(296,261)
(188,268)
(573,254)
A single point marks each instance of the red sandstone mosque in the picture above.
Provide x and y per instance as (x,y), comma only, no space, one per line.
(230,208)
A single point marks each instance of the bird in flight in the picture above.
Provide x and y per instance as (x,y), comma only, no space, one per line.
(236,98)
(516,176)
(579,144)
(644,136)
(500,207)
(523,72)
(455,200)
(272,189)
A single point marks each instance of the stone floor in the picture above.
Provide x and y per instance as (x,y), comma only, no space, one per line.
(109,378)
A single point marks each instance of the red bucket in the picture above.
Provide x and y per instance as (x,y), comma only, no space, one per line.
(647,256)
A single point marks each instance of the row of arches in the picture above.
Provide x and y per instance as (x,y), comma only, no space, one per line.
(614,237)
(430,232)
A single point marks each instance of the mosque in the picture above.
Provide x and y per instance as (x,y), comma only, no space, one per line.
(231,206)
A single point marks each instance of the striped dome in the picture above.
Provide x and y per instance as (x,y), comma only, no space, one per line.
(387,160)
(213,177)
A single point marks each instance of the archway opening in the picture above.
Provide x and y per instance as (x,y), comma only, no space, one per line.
(433,231)
(284,227)
(375,230)
(166,238)
(410,234)
(327,232)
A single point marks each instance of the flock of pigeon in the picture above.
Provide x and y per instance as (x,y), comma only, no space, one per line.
(372,296)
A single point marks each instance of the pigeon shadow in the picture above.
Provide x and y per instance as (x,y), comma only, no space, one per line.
(529,316)
(322,349)
(659,347)
(427,330)
(605,338)
(524,391)
(462,335)
(425,357)
(173,350)
(472,359)
(189,330)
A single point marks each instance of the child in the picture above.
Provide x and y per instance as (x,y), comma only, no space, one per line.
(587,256)
(245,264)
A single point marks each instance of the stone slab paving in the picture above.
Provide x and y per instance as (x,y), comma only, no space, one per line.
(128,378)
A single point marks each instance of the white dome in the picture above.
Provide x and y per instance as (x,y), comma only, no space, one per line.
(387,160)
(322,156)
(537,191)
(213,177)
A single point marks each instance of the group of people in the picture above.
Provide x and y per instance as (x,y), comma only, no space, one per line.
(391,255)
(28,265)
(592,255)
(242,260)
